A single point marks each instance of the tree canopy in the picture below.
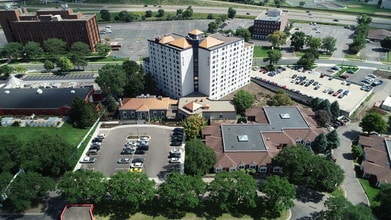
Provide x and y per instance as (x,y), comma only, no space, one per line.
(273,56)
(242,100)
(231,13)
(281,99)
(54,46)
(277,38)
(33,50)
(112,79)
(339,208)
(298,40)
(193,125)
(386,43)
(105,15)
(383,211)
(328,44)
(302,167)
(199,158)
(83,114)
(373,122)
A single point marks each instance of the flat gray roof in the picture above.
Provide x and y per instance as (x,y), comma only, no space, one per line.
(77,213)
(283,117)
(242,138)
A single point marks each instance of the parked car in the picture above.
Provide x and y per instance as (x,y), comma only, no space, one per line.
(94,146)
(371,75)
(128,151)
(92,152)
(377,83)
(139,152)
(125,160)
(88,160)
(143,147)
(136,170)
(176,143)
(175,160)
(137,164)
(171,155)
(138,159)
(101,136)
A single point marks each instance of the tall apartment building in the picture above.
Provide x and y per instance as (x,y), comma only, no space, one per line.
(268,22)
(20,26)
(214,66)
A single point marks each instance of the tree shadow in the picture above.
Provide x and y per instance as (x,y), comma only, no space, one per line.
(314,215)
(304,194)
(347,156)
(55,205)
(352,134)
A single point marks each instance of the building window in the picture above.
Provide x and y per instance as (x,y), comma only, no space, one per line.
(241,166)
(232,169)
(162,113)
(218,170)
(132,115)
(277,169)
(124,115)
(252,166)
(154,113)
(263,169)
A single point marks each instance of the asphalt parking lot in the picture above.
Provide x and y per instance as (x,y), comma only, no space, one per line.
(156,163)
(347,103)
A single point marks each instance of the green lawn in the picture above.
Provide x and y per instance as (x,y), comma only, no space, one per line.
(70,134)
(260,52)
(370,191)
(361,7)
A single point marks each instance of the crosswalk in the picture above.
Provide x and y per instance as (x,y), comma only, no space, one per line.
(58,77)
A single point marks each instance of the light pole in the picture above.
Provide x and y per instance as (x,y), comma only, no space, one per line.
(4,193)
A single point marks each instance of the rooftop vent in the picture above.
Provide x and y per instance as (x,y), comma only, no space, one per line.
(242,138)
(39,91)
(7,92)
(285,116)
(73,91)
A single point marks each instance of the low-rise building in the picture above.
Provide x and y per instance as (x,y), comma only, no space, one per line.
(253,145)
(209,109)
(269,21)
(41,101)
(376,163)
(378,34)
(147,107)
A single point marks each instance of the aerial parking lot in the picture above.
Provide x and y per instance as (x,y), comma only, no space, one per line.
(158,159)
(314,84)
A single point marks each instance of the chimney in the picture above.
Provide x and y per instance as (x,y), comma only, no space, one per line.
(120,102)
(160,97)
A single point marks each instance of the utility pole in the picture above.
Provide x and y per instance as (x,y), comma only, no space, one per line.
(5,190)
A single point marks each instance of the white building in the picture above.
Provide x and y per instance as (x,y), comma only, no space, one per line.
(214,66)
(386,4)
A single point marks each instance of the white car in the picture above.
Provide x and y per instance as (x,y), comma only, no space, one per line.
(175,160)
(173,151)
(137,164)
(101,136)
(88,160)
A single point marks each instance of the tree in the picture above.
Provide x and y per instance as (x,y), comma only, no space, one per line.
(319,145)
(324,105)
(373,122)
(298,40)
(6,70)
(328,44)
(232,192)
(302,167)
(199,158)
(339,208)
(307,60)
(103,49)
(313,42)
(323,117)
(334,109)
(231,13)
(112,79)
(46,158)
(64,63)
(332,140)
(148,13)
(26,189)
(273,56)
(212,27)
(357,152)
(281,99)
(210,16)
(279,193)
(9,154)
(135,78)
(244,33)
(193,125)
(54,46)
(82,186)
(389,120)
(384,198)
(83,114)
(188,12)
(242,100)
(128,189)
(277,38)
(301,3)
(188,193)
(81,49)
(49,65)
(150,86)
(12,50)
(160,13)
(110,103)
(105,15)
(364,19)
(125,16)
(32,50)
(386,43)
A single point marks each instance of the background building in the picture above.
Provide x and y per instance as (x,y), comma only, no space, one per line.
(214,66)
(268,22)
(20,26)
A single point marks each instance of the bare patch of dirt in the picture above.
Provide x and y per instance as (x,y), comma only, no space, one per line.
(260,94)
(383,13)
(383,74)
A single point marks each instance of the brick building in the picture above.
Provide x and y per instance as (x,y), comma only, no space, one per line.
(268,22)
(20,26)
